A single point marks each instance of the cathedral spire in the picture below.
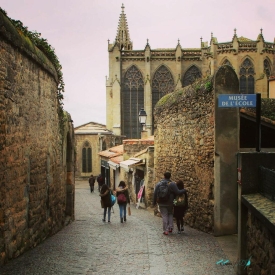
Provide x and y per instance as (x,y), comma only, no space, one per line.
(123,36)
(260,36)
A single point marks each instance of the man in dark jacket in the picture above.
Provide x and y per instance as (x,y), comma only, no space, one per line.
(92,183)
(166,207)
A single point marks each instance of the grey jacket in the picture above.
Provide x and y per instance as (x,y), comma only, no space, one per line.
(174,191)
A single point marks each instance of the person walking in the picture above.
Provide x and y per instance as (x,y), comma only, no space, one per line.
(122,199)
(92,183)
(180,207)
(100,181)
(106,203)
(164,194)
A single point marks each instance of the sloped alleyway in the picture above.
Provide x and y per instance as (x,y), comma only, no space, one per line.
(89,246)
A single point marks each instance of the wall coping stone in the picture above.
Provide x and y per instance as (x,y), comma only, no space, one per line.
(262,208)
(138,141)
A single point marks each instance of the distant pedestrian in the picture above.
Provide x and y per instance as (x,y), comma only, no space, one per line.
(92,183)
(180,207)
(164,194)
(100,181)
(105,194)
(122,199)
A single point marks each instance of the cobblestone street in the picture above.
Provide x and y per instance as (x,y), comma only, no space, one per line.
(89,246)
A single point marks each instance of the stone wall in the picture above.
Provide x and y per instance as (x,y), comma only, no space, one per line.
(36,147)
(260,247)
(272,86)
(133,146)
(149,177)
(184,145)
(256,228)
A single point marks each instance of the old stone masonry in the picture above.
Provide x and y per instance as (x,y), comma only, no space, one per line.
(90,246)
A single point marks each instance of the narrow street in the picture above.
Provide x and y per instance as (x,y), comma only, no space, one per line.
(89,246)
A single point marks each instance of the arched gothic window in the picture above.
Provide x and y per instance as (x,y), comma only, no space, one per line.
(162,84)
(86,158)
(247,77)
(132,100)
(191,75)
(227,62)
(267,68)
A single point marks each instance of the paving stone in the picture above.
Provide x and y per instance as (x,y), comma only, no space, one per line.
(89,246)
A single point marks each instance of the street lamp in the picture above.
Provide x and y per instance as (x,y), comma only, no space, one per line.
(142,118)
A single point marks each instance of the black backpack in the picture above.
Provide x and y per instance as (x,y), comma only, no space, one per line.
(163,192)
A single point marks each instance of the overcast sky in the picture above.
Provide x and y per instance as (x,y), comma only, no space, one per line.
(79,30)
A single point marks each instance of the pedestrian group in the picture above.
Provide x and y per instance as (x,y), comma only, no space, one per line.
(108,200)
(167,195)
(170,196)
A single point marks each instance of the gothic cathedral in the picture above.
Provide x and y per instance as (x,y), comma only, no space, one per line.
(139,78)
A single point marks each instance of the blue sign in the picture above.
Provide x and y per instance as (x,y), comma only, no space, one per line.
(237,100)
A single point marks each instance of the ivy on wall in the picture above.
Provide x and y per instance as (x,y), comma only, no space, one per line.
(43,45)
(46,48)
(268,108)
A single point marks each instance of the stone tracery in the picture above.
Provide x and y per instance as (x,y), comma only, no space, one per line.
(162,84)
(247,77)
(267,68)
(132,97)
(191,75)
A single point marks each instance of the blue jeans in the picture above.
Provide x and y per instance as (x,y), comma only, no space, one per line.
(122,208)
(109,213)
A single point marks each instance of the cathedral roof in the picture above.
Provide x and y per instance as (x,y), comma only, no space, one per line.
(244,39)
(164,49)
(191,49)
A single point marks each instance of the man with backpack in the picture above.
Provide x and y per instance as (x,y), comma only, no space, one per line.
(164,194)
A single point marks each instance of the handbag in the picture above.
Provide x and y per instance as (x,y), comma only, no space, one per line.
(129,211)
(180,200)
(113,199)
(121,198)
